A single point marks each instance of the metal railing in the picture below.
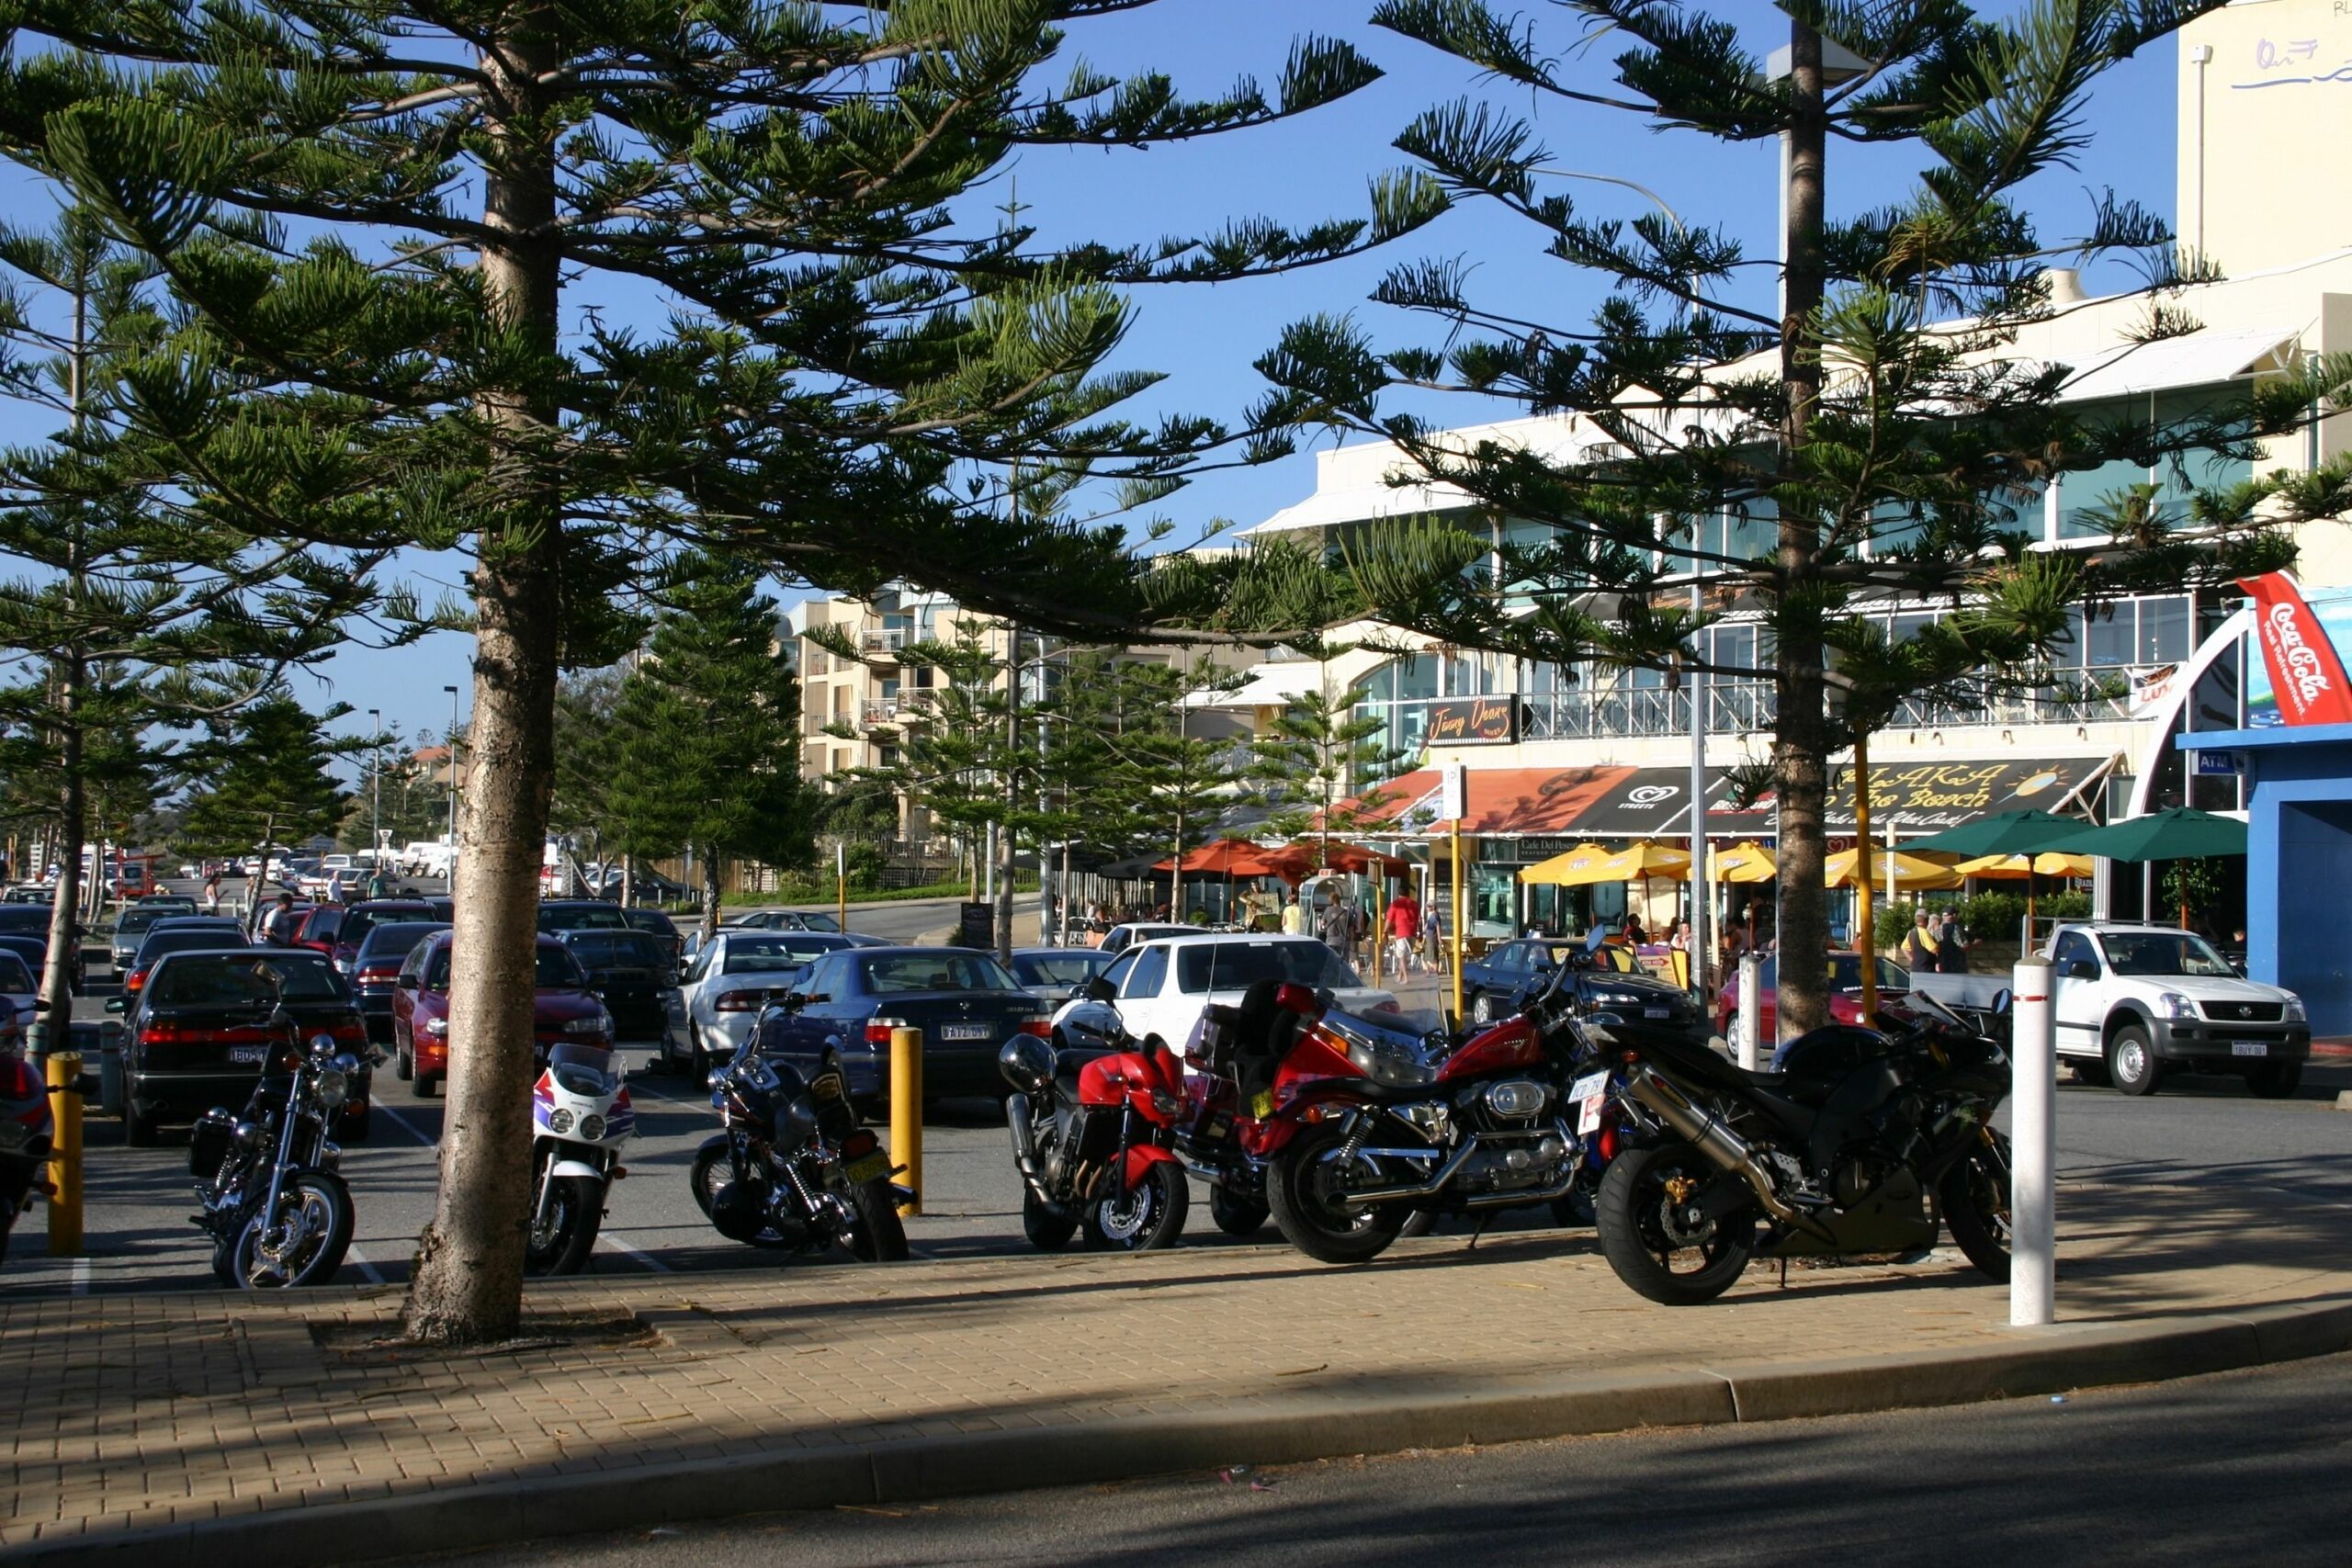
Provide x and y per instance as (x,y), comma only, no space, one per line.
(885,641)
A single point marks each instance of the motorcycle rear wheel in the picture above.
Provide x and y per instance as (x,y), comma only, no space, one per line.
(1148,1216)
(1316,1220)
(575,1211)
(1649,1244)
(713,1169)
(319,1205)
(1975,1198)
(1235,1217)
(879,1235)
(1048,1230)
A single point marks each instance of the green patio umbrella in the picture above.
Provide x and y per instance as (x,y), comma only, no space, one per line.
(2010,833)
(2175,834)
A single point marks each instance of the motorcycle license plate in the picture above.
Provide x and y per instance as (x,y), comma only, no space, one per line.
(2249,1048)
(871,1168)
(248,1055)
(966,1031)
(1589,1094)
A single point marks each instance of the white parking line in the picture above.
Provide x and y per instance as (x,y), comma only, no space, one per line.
(352,1255)
(637,1253)
(404,1124)
(81,1277)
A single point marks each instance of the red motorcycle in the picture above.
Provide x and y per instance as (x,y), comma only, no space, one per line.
(28,1127)
(1091,1133)
(1358,1127)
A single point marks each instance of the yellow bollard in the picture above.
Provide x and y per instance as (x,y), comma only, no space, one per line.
(906,1111)
(65,1155)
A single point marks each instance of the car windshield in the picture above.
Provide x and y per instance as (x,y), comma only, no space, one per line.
(14,977)
(184,940)
(1060,968)
(358,923)
(768,954)
(899,973)
(1846,974)
(323,923)
(246,982)
(2163,953)
(596,917)
(811,921)
(612,950)
(653,920)
(397,939)
(131,921)
(1237,965)
(558,972)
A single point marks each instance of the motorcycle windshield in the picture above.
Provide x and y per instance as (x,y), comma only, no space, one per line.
(594,1058)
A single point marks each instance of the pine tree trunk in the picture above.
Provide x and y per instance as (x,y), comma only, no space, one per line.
(1801,739)
(51,1029)
(467,1285)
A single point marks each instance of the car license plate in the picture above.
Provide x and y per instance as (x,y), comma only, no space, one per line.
(2249,1048)
(1658,1013)
(248,1055)
(966,1031)
(872,1167)
(13,1135)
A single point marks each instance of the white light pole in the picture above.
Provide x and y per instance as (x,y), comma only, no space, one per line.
(374,786)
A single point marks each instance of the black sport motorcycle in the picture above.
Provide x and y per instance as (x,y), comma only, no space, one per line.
(1836,1153)
(792,1168)
(278,1210)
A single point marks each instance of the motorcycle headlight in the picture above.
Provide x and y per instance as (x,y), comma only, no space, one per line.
(560,1121)
(2177,1006)
(1169,1105)
(2295,1014)
(592,1127)
(334,1088)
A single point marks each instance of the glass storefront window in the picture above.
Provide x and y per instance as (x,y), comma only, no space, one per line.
(2108,637)
(2164,630)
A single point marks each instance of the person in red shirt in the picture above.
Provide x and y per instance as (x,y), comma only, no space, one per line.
(1404,926)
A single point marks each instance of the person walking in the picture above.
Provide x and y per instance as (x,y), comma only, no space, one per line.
(1404,925)
(212,892)
(1295,917)
(280,930)
(1953,960)
(1922,950)
(1337,928)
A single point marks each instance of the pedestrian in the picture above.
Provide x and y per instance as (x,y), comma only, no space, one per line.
(1954,940)
(1337,926)
(379,884)
(283,922)
(1433,937)
(1404,925)
(1922,950)
(1634,935)
(212,892)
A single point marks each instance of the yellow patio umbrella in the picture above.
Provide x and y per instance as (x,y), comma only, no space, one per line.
(1913,873)
(1567,869)
(1645,861)
(2017,868)
(1748,861)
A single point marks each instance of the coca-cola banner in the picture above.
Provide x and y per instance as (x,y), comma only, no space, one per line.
(2305,680)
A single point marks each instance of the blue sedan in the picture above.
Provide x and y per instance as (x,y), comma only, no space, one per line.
(964,1002)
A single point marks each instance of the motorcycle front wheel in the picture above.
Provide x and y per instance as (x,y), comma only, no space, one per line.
(1148,1215)
(303,1243)
(878,1235)
(1975,1198)
(1651,1241)
(1308,1192)
(562,1238)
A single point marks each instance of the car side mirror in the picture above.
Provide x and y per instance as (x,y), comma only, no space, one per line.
(404,982)
(2082,969)
(40,1004)
(1097,989)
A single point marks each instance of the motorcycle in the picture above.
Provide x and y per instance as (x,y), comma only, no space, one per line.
(271,1199)
(1834,1154)
(1090,1133)
(792,1168)
(1361,1128)
(28,1127)
(580,1116)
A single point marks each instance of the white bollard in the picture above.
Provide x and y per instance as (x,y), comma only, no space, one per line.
(1751,1007)
(2033,1149)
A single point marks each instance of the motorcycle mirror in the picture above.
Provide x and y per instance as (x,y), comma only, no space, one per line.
(1096,989)
(324,1045)
(2001,999)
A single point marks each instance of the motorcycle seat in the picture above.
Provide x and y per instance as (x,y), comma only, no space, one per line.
(1068,1064)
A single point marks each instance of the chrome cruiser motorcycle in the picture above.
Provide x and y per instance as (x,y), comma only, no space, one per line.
(278,1213)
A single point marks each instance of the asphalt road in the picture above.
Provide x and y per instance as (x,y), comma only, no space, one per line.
(137,1237)
(2236,1468)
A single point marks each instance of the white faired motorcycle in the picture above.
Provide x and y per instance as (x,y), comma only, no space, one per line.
(579,1118)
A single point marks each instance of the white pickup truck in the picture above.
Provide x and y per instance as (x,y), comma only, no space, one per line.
(2134,1001)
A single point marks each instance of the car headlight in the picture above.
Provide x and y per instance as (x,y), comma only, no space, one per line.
(2295,1014)
(599,1025)
(438,1027)
(2177,1006)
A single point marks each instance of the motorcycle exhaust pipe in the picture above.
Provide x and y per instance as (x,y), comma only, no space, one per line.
(1024,1142)
(1443,1174)
(1706,1133)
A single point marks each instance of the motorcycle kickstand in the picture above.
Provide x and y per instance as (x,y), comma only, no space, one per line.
(1784,1273)
(1484,1221)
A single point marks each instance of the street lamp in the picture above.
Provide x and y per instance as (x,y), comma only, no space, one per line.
(452,748)
(1702,896)
(375,787)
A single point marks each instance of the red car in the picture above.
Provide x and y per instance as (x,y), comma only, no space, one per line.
(567,1011)
(318,928)
(1845,993)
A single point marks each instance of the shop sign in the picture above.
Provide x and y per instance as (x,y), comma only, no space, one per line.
(1473,721)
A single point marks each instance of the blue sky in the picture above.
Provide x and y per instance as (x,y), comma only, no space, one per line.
(1205,337)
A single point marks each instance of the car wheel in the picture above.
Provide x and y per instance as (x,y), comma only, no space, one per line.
(2276,1080)
(420,1084)
(1482,1008)
(698,1059)
(138,1127)
(2131,1061)
(401,1067)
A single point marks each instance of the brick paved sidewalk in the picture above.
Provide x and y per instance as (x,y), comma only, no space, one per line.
(136,1412)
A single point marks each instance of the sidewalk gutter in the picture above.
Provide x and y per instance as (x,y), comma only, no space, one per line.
(1277,1430)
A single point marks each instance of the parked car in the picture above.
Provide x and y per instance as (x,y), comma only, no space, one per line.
(375,966)
(1845,995)
(1158,988)
(33,951)
(787,920)
(581,915)
(320,922)
(131,925)
(966,1004)
(1491,984)
(359,918)
(22,923)
(604,881)
(196,1036)
(199,934)
(18,985)
(1118,939)
(2133,1002)
(659,926)
(737,975)
(1054,973)
(564,1009)
(632,971)
(31,893)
